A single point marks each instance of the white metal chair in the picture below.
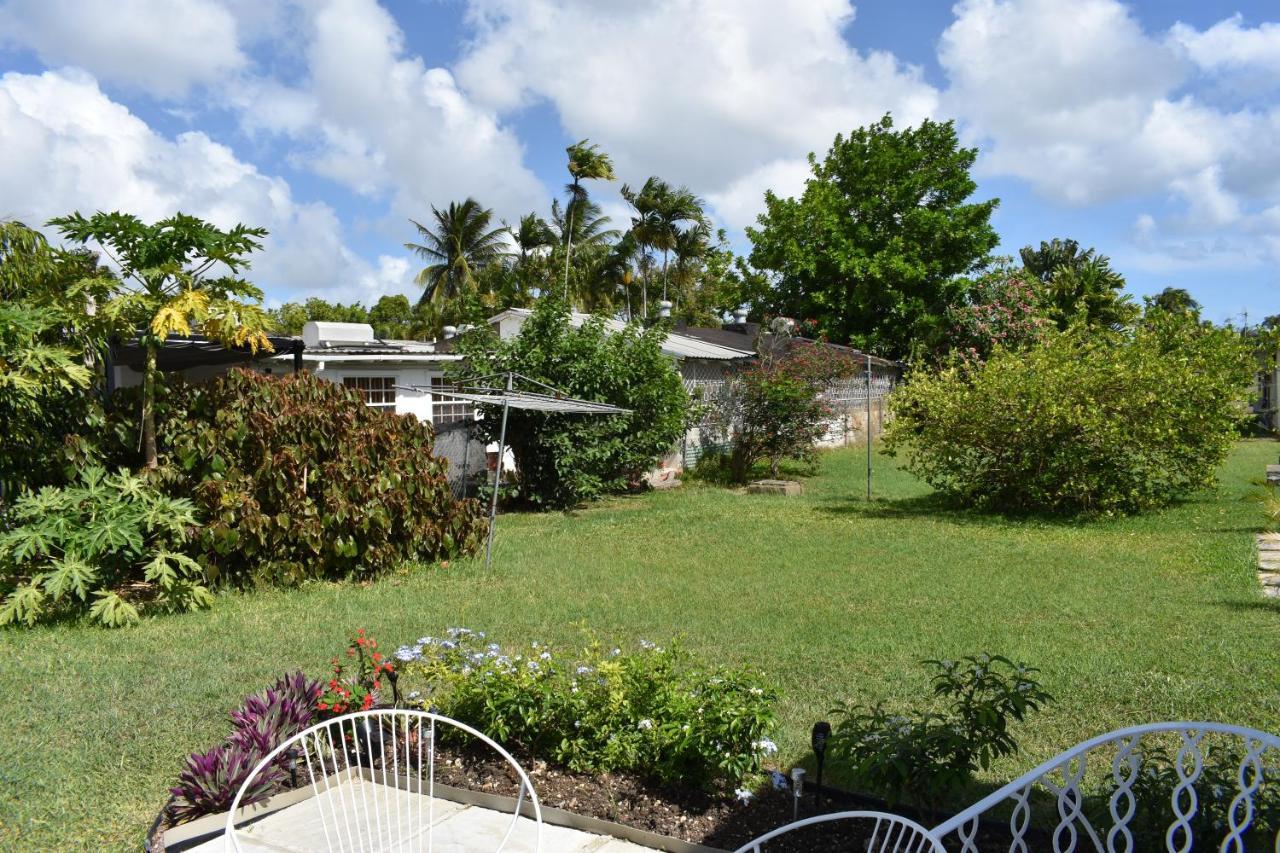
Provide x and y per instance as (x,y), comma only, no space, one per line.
(1096,790)
(367,782)
(885,833)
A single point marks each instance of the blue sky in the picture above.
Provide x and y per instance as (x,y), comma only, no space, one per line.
(1148,130)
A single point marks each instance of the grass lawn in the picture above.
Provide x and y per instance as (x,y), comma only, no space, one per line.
(1132,620)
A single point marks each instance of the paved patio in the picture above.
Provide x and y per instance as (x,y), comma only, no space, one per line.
(405,822)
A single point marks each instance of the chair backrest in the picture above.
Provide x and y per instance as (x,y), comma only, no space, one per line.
(367,781)
(876,832)
(1167,786)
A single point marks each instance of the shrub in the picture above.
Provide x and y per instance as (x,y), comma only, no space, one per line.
(775,409)
(564,459)
(109,544)
(655,712)
(1003,307)
(300,480)
(1087,422)
(210,780)
(922,756)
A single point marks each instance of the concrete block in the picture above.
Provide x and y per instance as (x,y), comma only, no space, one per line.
(790,488)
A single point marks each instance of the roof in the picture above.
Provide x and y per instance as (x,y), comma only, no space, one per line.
(744,334)
(181,352)
(676,345)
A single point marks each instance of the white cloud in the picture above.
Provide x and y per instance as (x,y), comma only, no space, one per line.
(163,47)
(70,147)
(380,122)
(743,199)
(707,93)
(1231,46)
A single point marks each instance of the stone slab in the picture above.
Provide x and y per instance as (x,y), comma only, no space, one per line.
(1273,474)
(790,488)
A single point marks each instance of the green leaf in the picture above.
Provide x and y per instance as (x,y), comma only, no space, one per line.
(113,611)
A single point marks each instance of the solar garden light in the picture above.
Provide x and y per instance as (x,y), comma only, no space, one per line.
(393,677)
(797,788)
(818,740)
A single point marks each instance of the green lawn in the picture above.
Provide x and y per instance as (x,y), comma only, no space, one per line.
(1132,620)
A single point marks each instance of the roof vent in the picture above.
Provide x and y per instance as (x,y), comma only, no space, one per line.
(449,331)
(664,308)
(322,334)
(740,315)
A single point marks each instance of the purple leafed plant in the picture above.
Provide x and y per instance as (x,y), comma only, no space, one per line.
(211,779)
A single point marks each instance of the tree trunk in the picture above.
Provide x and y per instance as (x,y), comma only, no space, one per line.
(664,275)
(148,409)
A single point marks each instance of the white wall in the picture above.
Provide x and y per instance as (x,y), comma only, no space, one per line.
(416,403)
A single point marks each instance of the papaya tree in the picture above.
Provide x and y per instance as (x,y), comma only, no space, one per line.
(176,276)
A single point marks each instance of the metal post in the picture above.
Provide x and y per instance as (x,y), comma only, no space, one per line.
(497,477)
(467,435)
(868,427)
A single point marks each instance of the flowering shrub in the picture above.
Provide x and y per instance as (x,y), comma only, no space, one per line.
(652,711)
(774,409)
(109,545)
(922,756)
(360,689)
(209,782)
(1005,307)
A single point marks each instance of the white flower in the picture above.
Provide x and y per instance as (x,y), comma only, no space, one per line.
(616,652)
(426,641)
(645,725)
(779,780)
(765,745)
(409,653)
(743,795)
(585,670)
(545,655)
(413,694)
(756,691)
(645,644)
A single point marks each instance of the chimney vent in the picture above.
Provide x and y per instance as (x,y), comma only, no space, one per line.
(450,331)
(664,308)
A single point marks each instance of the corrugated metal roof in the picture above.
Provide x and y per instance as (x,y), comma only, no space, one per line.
(531,401)
(675,345)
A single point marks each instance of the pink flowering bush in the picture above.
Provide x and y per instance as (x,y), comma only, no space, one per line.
(1005,307)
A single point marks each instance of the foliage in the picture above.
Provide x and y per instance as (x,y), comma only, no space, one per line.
(775,409)
(1002,307)
(1214,791)
(660,209)
(1080,286)
(656,711)
(1087,422)
(391,317)
(299,480)
(210,780)
(563,459)
(177,276)
(456,246)
(872,247)
(1174,300)
(361,689)
(923,755)
(109,544)
(49,341)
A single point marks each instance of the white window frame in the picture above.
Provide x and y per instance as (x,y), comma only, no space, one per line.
(363,385)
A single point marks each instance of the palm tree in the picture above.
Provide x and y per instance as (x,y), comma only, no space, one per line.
(461,245)
(659,211)
(586,162)
(531,234)
(690,249)
(581,224)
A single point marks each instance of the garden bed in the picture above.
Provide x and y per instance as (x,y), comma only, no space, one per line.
(710,821)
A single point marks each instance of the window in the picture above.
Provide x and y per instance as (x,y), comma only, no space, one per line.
(377,391)
(445,409)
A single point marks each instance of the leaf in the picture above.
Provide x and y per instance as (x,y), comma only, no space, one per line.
(69,574)
(113,611)
(24,605)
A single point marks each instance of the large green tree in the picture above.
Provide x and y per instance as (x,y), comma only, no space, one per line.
(872,249)
(457,245)
(176,276)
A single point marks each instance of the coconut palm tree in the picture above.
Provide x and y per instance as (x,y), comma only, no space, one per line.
(461,244)
(586,162)
(531,234)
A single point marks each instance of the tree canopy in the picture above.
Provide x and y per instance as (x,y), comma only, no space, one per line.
(872,249)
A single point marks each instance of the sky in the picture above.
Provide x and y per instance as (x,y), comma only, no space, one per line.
(1149,130)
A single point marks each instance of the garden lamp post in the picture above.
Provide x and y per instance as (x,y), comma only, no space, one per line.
(818,740)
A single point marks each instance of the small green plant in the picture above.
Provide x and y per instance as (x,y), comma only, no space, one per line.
(654,711)
(922,756)
(109,544)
